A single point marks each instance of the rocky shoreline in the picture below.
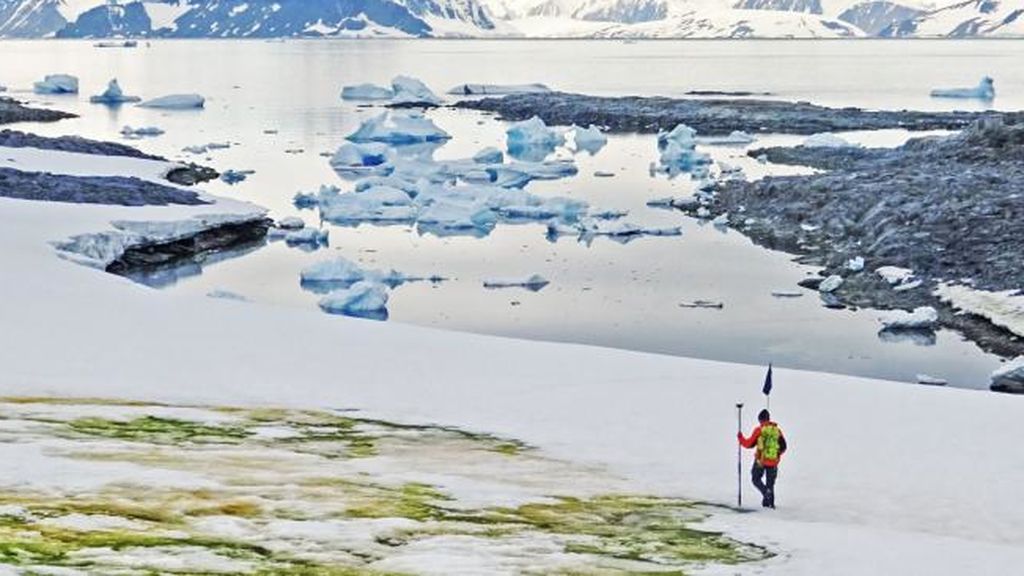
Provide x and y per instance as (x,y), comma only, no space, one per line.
(946,208)
(12,111)
(712,117)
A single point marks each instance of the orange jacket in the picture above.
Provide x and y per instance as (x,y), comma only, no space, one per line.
(752,442)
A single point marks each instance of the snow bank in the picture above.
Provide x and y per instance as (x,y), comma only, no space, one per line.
(1004,309)
(57,84)
(985,90)
(176,102)
(113,95)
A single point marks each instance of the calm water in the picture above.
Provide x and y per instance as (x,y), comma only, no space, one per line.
(277,102)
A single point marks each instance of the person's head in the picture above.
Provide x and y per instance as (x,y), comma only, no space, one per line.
(763,416)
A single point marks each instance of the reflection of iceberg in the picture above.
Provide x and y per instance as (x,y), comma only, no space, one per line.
(169,275)
(985,90)
(917,337)
(534,283)
(393,127)
(532,140)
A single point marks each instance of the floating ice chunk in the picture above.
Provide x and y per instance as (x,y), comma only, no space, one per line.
(624,231)
(399,127)
(235,176)
(826,140)
(830,284)
(226,295)
(922,318)
(305,199)
(363,299)
(176,102)
(609,214)
(519,174)
(532,139)
(136,133)
(985,90)
(291,223)
(534,283)
(682,135)
(498,89)
(375,204)
(1009,377)
(368,92)
(589,139)
(205,148)
(678,152)
(930,380)
(458,214)
(113,95)
(310,237)
(362,159)
(787,294)
(894,275)
(711,304)
(57,84)
(489,155)
(338,270)
(411,92)
(734,137)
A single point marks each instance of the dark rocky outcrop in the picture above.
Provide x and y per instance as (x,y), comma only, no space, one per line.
(114,190)
(13,111)
(16,139)
(193,249)
(711,117)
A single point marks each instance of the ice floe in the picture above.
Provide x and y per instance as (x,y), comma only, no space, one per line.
(985,90)
(57,84)
(922,318)
(176,102)
(113,95)
(399,127)
(364,299)
(498,89)
(367,92)
(532,139)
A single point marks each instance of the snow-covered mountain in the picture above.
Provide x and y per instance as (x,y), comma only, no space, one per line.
(523,18)
(996,18)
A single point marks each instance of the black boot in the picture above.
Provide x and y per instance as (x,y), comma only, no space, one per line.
(769,499)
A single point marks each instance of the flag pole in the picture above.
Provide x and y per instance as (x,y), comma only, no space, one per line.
(739,457)
(767,388)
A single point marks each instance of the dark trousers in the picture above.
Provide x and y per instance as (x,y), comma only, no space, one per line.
(763,478)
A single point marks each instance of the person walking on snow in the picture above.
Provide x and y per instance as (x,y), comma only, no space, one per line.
(771,445)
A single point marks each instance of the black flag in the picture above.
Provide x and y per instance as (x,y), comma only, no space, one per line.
(768,381)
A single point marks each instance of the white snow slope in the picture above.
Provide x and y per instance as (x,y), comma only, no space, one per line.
(881,477)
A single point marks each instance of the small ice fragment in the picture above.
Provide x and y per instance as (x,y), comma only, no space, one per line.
(894,275)
(176,102)
(703,304)
(830,284)
(57,84)
(985,90)
(721,221)
(489,155)
(931,380)
(235,176)
(855,264)
(338,270)
(113,95)
(308,237)
(1009,377)
(135,133)
(589,139)
(226,295)
(734,137)
(291,223)
(787,294)
(922,318)
(368,92)
(826,140)
(534,283)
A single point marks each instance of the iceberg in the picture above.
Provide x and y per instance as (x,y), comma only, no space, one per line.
(489,155)
(519,174)
(57,84)
(113,95)
(678,152)
(411,92)
(395,127)
(589,139)
(367,92)
(136,133)
(682,135)
(336,271)
(826,140)
(1009,377)
(534,283)
(309,237)
(532,139)
(306,199)
(363,299)
(355,159)
(985,90)
(498,89)
(922,318)
(176,102)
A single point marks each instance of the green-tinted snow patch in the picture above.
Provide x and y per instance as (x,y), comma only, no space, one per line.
(157,430)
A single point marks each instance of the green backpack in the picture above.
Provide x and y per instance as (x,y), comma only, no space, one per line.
(768,442)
